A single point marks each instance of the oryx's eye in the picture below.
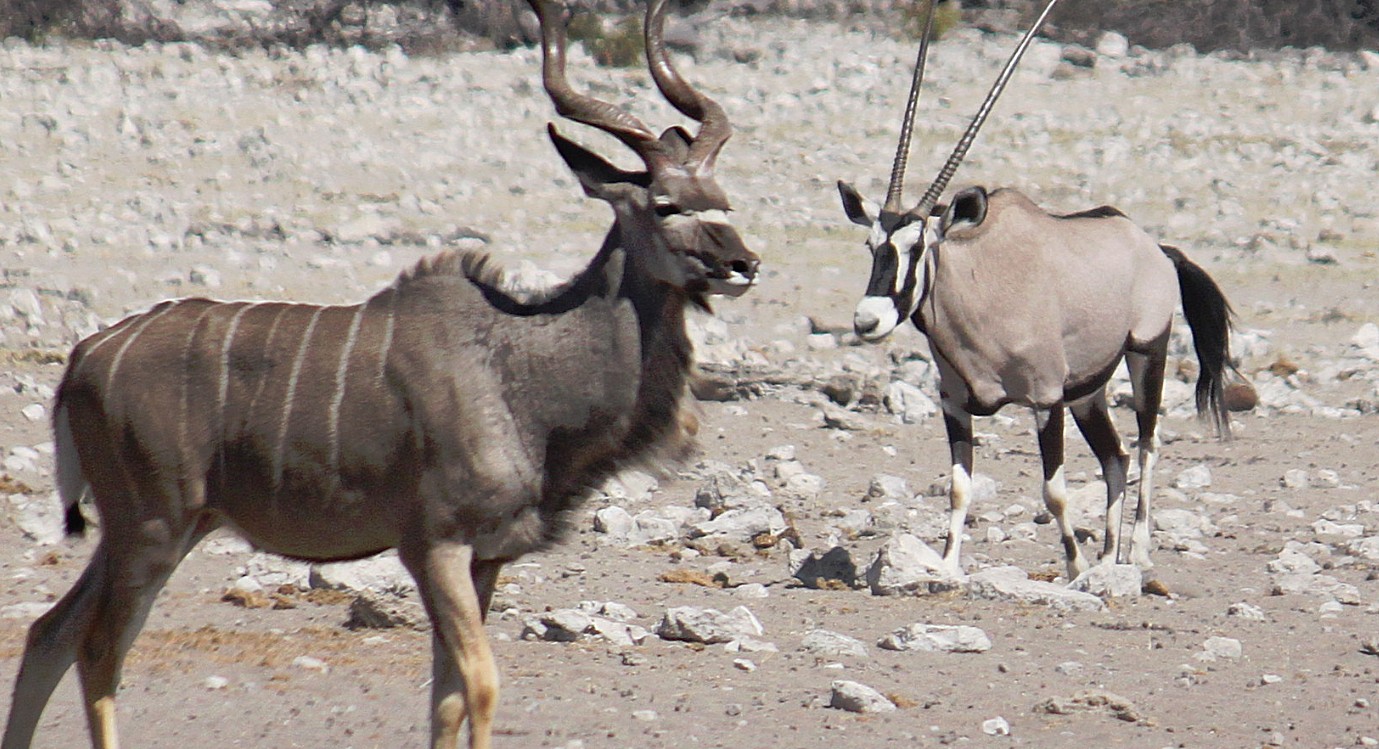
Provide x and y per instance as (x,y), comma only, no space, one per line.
(664,207)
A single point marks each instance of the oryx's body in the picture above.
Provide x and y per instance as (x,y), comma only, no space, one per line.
(1025,307)
(1036,309)
(442,417)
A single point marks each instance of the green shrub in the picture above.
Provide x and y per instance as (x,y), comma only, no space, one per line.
(947,17)
(619,45)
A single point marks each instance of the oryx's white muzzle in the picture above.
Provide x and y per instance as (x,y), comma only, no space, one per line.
(875,318)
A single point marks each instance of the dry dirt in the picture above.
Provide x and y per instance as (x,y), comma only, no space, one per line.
(1306,678)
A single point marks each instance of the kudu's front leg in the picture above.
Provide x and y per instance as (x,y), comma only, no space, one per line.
(465,676)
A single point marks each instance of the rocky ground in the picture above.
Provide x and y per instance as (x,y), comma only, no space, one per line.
(760,595)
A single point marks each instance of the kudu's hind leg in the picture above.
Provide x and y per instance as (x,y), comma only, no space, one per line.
(1049,424)
(139,559)
(453,587)
(1147,379)
(51,649)
(1094,421)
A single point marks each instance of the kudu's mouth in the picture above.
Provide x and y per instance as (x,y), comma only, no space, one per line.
(735,279)
(727,277)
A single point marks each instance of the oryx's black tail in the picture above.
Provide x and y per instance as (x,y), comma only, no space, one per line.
(1209,316)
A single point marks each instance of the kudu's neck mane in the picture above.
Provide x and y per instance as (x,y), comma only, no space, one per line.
(666,350)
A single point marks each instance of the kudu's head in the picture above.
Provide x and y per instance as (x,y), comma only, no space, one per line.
(901,239)
(672,218)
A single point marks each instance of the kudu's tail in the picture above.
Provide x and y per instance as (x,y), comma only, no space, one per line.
(71,484)
(1209,316)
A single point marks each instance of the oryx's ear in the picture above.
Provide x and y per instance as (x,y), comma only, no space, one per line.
(968,209)
(594,172)
(859,209)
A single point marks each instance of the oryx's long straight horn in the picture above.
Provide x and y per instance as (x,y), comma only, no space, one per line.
(902,151)
(931,197)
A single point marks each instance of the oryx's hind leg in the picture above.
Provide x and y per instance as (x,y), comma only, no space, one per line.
(456,589)
(1094,421)
(1049,424)
(1147,379)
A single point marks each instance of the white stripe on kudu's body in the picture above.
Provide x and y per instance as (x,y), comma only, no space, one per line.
(1025,307)
(442,417)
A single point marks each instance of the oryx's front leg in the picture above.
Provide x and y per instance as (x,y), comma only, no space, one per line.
(1094,420)
(1049,423)
(959,426)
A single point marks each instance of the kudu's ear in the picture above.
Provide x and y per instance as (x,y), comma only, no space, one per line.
(967,209)
(594,172)
(676,141)
(859,209)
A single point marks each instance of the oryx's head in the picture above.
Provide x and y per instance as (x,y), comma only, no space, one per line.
(901,239)
(672,217)
(898,243)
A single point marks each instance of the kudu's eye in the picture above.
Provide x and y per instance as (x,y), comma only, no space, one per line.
(665,208)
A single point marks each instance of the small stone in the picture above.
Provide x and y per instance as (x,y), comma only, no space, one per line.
(1196,477)
(859,698)
(997,726)
(1113,45)
(214,683)
(824,642)
(308,663)
(1295,478)
(1221,647)
(1246,611)
(942,638)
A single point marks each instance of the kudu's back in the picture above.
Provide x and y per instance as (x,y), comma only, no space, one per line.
(310,426)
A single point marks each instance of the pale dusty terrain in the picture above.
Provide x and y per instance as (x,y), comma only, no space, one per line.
(132,175)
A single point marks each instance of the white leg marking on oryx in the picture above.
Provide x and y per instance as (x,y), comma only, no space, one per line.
(1139,539)
(338,399)
(960,496)
(280,447)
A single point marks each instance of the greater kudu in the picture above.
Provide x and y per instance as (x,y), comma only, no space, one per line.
(1020,306)
(443,416)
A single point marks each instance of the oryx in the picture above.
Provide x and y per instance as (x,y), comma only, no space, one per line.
(1021,306)
(443,416)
